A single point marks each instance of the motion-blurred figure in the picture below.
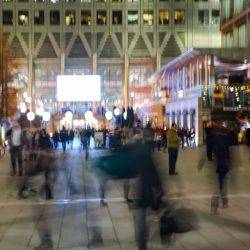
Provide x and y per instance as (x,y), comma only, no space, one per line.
(148,136)
(222,156)
(63,138)
(71,137)
(16,139)
(56,138)
(173,146)
(209,140)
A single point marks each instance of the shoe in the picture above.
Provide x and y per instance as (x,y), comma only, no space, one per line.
(175,173)
(129,200)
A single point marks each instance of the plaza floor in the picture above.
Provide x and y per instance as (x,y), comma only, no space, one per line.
(70,220)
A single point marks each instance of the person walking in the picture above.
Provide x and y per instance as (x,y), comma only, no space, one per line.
(16,138)
(209,141)
(71,137)
(63,137)
(222,156)
(173,145)
(56,138)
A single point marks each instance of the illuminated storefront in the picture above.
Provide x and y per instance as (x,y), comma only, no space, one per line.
(201,86)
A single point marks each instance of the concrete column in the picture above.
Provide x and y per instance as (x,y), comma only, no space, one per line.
(94,64)
(62,63)
(158,59)
(30,78)
(125,81)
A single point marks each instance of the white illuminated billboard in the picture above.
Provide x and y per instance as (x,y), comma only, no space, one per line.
(78,88)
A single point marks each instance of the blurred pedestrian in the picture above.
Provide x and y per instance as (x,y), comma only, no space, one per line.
(16,139)
(71,137)
(173,146)
(56,138)
(63,138)
(222,156)
(209,132)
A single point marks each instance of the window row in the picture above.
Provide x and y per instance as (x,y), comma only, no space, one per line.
(204,17)
(86,17)
(101,1)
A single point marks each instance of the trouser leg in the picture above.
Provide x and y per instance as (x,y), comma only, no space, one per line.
(20,160)
(13,158)
(141,229)
(126,188)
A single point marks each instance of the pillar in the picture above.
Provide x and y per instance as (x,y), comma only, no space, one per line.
(62,63)
(94,64)
(125,81)
(30,80)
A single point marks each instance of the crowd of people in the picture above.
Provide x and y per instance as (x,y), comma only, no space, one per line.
(130,157)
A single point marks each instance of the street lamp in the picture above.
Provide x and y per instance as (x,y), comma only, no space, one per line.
(46,116)
(30,116)
(23,107)
(116,111)
(108,115)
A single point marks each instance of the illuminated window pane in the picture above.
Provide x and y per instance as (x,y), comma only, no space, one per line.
(86,17)
(133,17)
(7,17)
(179,17)
(203,17)
(148,17)
(117,17)
(101,17)
(23,17)
(55,17)
(163,17)
(215,17)
(54,1)
(70,17)
(39,17)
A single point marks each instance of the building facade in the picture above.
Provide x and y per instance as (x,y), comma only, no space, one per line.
(235,20)
(201,85)
(124,41)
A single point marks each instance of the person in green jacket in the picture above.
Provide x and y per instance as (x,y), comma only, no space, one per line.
(173,145)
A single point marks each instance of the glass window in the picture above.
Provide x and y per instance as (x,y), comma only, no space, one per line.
(55,17)
(179,17)
(215,17)
(148,17)
(23,17)
(85,17)
(7,17)
(132,17)
(70,17)
(242,36)
(117,17)
(163,17)
(39,17)
(101,17)
(203,17)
